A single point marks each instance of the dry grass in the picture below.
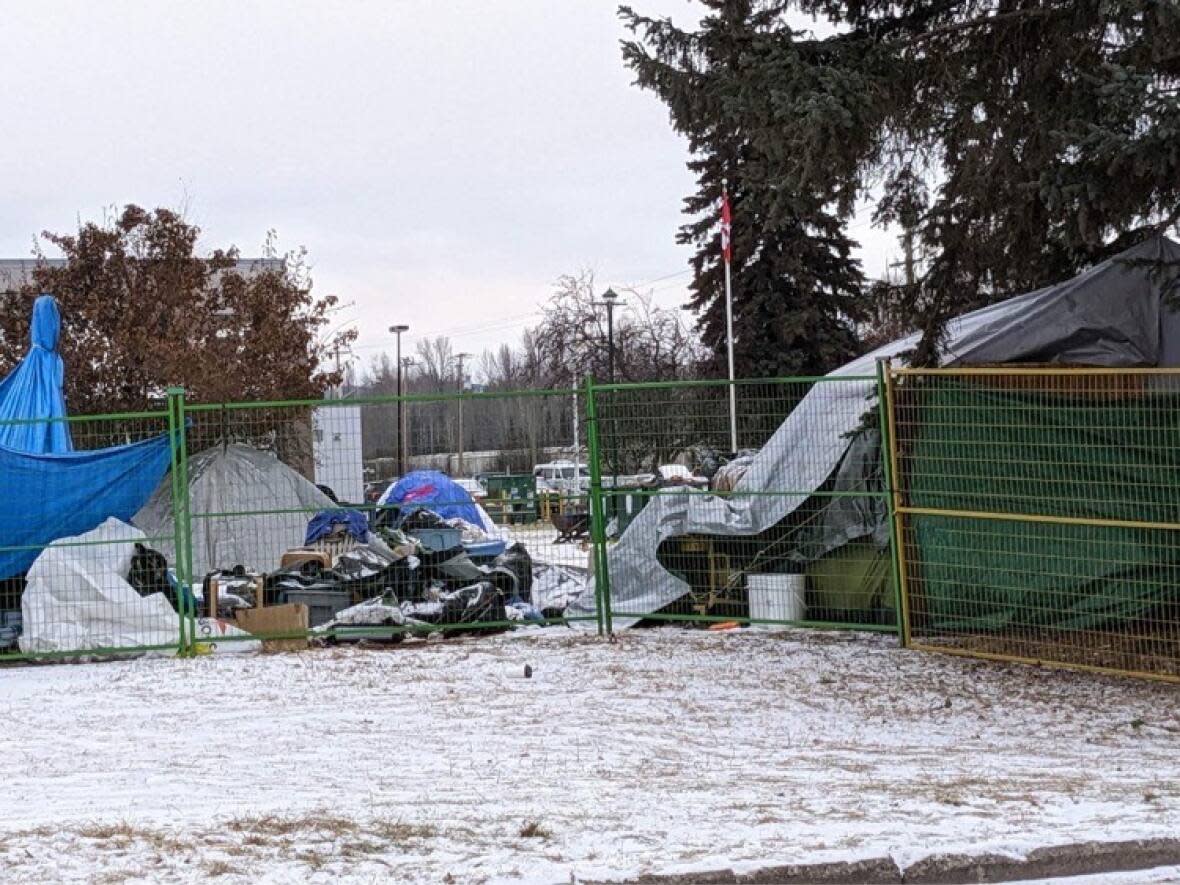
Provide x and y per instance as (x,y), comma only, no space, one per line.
(273,825)
(111,832)
(532,829)
(398,832)
(218,868)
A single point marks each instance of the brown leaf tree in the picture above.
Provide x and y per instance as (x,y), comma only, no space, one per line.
(142,310)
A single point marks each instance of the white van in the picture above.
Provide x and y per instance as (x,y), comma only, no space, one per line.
(562,476)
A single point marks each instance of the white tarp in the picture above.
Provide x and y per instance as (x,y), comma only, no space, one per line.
(77,596)
(248,508)
(1112,315)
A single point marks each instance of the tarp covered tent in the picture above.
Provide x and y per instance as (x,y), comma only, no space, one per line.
(34,389)
(1115,314)
(247,506)
(435,491)
(47,490)
(78,597)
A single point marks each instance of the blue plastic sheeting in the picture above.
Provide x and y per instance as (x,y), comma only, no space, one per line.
(44,497)
(33,390)
(431,490)
(325,521)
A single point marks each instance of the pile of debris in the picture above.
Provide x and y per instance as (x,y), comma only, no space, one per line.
(404,571)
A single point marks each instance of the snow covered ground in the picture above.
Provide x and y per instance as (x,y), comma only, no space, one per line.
(668,751)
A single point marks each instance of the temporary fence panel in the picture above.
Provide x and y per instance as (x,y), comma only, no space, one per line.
(77,576)
(1039,514)
(361,510)
(741,537)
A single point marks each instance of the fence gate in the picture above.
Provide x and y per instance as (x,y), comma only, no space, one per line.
(1037,514)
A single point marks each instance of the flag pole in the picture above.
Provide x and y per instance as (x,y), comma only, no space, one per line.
(727,252)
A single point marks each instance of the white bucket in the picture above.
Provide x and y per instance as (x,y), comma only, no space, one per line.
(776,597)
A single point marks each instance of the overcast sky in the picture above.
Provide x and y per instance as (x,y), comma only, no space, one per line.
(442,162)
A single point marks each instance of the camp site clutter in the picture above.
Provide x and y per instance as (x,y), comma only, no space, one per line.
(1018,502)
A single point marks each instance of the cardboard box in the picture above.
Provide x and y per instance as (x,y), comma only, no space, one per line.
(275,619)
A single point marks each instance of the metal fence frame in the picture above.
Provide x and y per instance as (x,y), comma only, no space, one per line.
(182,419)
(1067,643)
(600,435)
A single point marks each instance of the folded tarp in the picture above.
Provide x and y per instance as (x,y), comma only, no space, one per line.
(32,391)
(44,497)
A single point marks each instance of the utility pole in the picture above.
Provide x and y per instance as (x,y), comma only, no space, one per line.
(401,441)
(403,430)
(460,357)
(340,385)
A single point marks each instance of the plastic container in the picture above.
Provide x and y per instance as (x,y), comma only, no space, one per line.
(322,605)
(485,551)
(776,597)
(438,538)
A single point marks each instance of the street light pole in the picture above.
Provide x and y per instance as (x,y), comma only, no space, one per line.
(460,357)
(610,298)
(401,442)
(403,429)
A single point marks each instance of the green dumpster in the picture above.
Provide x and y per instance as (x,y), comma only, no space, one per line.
(512,498)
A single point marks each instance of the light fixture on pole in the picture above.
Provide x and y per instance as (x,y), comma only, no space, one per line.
(610,298)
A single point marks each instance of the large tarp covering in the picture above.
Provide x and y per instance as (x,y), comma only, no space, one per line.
(50,496)
(33,389)
(47,490)
(1112,315)
(980,574)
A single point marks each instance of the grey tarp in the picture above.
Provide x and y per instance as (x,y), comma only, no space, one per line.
(1111,315)
(248,508)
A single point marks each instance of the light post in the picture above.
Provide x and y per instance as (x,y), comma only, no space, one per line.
(610,298)
(403,430)
(401,423)
(460,357)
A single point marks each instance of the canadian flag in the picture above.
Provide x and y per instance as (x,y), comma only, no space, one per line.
(726,226)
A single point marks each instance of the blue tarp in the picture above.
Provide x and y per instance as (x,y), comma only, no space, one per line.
(431,490)
(33,389)
(47,490)
(46,497)
(322,523)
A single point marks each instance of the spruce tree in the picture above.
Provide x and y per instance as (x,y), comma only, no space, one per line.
(1018,141)
(797,286)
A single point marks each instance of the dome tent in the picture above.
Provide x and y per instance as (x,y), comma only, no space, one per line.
(247,506)
(432,490)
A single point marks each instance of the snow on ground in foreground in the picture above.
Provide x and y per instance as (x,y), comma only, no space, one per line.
(670,751)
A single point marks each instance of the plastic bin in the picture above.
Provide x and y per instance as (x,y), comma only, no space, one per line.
(485,551)
(779,597)
(322,605)
(438,538)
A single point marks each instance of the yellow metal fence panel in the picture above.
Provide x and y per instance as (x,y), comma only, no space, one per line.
(1039,514)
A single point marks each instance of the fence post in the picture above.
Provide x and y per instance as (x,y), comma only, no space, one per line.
(889,461)
(597,517)
(182,528)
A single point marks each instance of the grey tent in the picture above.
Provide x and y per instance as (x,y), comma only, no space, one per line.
(1112,315)
(247,507)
